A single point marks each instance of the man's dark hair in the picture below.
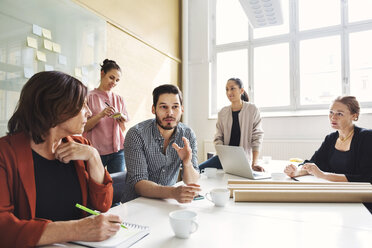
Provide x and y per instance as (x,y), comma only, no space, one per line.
(165,89)
(47,99)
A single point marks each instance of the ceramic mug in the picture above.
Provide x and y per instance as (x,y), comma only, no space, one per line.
(218,196)
(210,172)
(266,159)
(183,223)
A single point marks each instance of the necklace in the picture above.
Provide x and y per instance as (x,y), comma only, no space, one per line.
(347,137)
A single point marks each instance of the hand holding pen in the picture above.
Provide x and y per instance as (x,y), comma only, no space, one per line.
(88,210)
(108,111)
(97,227)
(117,115)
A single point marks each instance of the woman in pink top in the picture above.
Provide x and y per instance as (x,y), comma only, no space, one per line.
(105,128)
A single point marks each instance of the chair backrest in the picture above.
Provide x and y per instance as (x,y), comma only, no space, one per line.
(118,183)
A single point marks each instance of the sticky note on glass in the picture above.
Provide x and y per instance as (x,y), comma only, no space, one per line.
(31,42)
(84,71)
(48,45)
(49,67)
(62,60)
(36,29)
(56,47)
(46,33)
(78,72)
(40,56)
(28,72)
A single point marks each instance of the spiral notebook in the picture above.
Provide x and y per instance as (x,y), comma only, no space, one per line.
(123,238)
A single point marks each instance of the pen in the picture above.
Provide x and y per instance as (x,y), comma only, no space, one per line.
(108,105)
(295,179)
(92,212)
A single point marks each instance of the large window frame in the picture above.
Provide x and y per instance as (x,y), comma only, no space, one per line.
(293,38)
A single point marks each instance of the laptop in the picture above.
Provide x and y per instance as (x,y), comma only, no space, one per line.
(234,161)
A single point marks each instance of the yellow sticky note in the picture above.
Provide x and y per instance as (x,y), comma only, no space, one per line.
(56,47)
(40,56)
(48,45)
(31,42)
(78,72)
(46,33)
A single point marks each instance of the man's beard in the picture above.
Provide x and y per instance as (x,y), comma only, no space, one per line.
(165,127)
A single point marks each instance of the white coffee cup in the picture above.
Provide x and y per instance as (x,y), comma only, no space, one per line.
(210,172)
(183,223)
(218,196)
(266,159)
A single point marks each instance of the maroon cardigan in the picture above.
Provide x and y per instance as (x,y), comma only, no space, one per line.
(18,225)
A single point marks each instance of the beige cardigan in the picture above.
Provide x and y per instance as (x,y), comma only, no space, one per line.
(251,135)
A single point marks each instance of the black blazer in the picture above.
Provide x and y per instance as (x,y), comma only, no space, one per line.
(361,153)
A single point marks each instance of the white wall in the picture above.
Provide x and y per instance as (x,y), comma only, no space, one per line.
(276,128)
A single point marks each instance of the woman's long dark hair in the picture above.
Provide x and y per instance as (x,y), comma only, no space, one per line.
(239,82)
(47,99)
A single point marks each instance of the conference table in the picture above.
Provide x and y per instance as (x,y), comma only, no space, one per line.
(252,224)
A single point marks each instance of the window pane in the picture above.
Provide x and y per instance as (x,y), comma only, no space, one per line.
(230,64)
(231,22)
(360,10)
(320,70)
(361,65)
(318,13)
(271,75)
(275,30)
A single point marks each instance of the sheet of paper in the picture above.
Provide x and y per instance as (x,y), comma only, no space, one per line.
(36,30)
(56,47)
(84,71)
(78,72)
(48,45)
(31,42)
(49,67)
(85,80)
(62,60)
(40,56)
(28,72)
(310,178)
(46,33)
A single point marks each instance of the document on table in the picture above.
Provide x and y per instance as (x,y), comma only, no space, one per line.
(311,178)
(123,238)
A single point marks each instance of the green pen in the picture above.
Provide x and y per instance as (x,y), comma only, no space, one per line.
(92,212)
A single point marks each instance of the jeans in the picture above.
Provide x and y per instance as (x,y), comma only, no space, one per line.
(213,162)
(115,162)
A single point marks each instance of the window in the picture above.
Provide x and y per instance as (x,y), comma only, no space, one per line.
(361,65)
(230,63)
(318,14)
(321,50)
(274,75)
(320,70)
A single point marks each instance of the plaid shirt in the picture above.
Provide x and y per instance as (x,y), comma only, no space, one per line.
(144,157)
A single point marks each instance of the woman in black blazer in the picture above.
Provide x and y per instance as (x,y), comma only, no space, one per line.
(345,155)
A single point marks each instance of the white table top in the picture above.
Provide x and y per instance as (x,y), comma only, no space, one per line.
(247,224)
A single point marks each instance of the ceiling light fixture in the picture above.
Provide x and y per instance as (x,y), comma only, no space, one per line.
(263,13)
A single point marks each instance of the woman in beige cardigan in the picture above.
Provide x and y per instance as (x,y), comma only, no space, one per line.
(238,125)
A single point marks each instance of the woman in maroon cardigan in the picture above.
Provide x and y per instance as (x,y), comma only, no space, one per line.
(44,171)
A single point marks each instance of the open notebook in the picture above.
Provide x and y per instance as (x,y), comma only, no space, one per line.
(123,238)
